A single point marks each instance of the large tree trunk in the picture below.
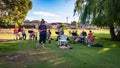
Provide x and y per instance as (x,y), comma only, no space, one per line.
(112,33)
(118,36)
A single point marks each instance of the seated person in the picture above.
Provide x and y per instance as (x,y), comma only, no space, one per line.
(84,33)
(32,34)
(90,38)
(16,33)
(58,35)
(59,32)
(74,35)
(20,33)
(23,33)
(80,39)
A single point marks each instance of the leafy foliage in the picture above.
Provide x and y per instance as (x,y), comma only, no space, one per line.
(102,13)
(14,11)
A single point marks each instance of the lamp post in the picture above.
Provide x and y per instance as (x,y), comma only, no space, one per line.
(66,19)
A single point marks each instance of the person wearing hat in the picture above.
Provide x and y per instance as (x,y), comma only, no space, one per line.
(42,32)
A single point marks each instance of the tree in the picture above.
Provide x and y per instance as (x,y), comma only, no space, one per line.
(74,24)
(64,25)
(14,11)
(102,13)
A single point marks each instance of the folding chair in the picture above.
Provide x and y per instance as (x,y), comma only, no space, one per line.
(62,39)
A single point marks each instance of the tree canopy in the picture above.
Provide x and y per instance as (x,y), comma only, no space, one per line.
(14,11)
(103,13)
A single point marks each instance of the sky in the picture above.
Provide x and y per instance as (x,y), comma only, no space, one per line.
(52,11)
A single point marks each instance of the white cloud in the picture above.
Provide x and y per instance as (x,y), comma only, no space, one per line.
(50,17)
(46,14)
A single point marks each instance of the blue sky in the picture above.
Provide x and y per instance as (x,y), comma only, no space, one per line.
(52,10)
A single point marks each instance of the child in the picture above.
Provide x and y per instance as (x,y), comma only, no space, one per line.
(49,36)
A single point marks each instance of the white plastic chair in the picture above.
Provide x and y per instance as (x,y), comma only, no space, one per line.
(62,39)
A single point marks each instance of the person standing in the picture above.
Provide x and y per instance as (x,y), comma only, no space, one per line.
(49,36)
(42,33)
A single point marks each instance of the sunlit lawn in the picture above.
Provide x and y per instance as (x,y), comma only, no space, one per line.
(80,56)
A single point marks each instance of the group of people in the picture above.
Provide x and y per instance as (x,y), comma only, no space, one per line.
(20,33)
(42,29)
(17,33)
(45,34)
(82,37)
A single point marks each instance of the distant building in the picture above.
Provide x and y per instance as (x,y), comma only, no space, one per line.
(34,22)
(54,25)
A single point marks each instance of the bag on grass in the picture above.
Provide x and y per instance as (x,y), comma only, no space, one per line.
(97,45)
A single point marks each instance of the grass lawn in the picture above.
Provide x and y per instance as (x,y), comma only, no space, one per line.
(21,54)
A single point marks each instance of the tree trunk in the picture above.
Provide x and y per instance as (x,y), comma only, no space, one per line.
(112,33)
(118,36)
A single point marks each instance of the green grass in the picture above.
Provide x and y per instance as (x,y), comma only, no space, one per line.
(53,57)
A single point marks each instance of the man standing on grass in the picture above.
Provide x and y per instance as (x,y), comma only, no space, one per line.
(42,33)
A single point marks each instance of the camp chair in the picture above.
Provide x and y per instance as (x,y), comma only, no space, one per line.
(32,35)
(62,39)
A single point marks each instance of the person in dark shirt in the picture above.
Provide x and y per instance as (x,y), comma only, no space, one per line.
(84,33)
(42,32)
